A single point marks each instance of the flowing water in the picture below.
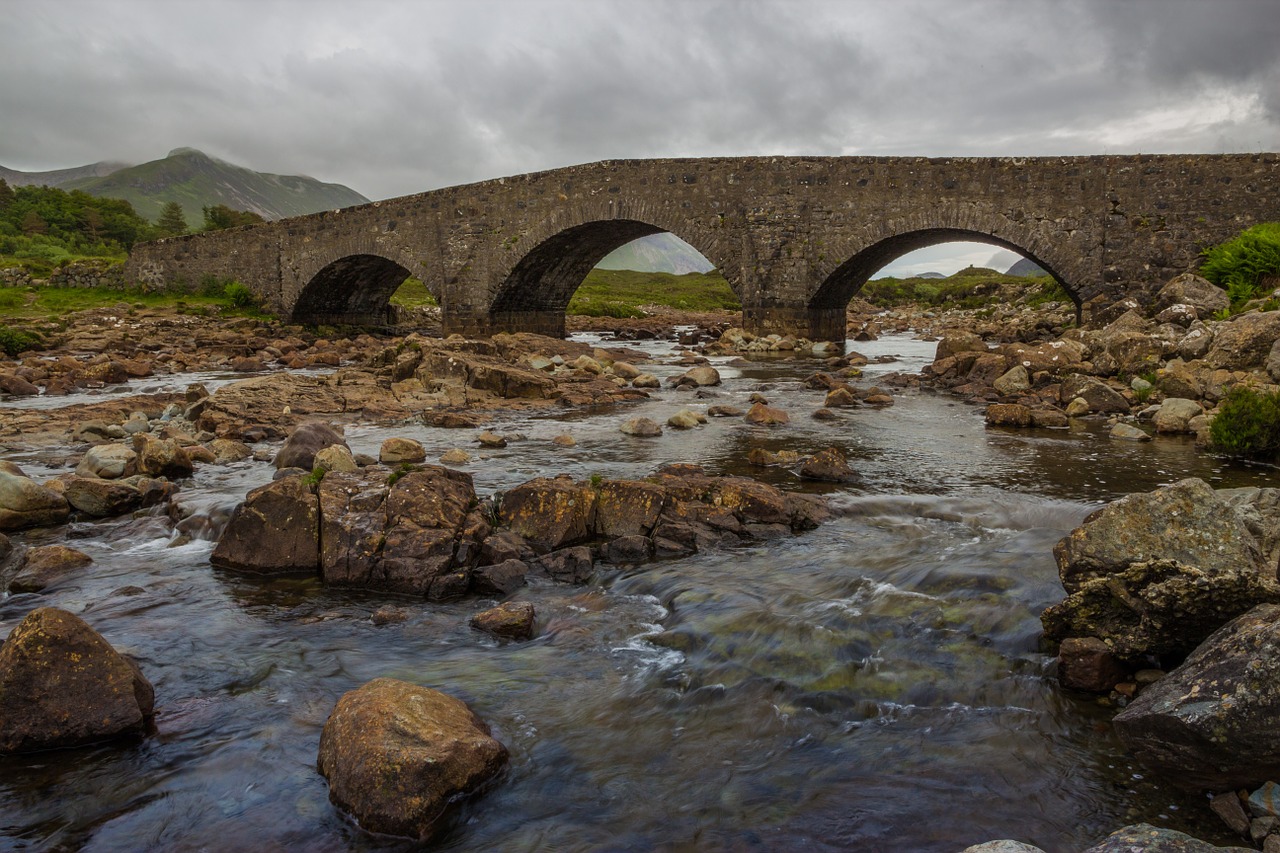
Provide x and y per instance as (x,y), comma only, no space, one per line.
(876,684)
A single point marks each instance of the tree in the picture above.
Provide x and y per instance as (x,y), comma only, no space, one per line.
(7,194)
(172,220)
(220,216)
(33,223)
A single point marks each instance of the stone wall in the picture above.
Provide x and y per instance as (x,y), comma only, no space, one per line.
(90,274)
(795,237)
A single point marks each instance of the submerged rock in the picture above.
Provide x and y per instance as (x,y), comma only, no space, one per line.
(511,620)
(45,565)
(399,756)
(1145,838)
(62,684)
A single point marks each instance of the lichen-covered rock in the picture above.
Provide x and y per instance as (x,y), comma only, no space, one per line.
(828,466)
(45,565)
(1100,397)
(398,756)
(397,450)
(336,459)
(276,530)
(550,513)
(1185,522)
(1190,289)
(304,442)
(62,684)
(1008,415)
(1175,414)
(627,508)
(1210,724)
(1158,607)
(643,427)
(1244,342)
(511,620)
(419,534)
(955,342)
(763,414)
(102,498)
(1145,838)
(162,457)
(26,503)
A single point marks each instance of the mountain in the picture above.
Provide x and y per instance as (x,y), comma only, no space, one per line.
(59,177)
(929,275)
(1027,268)
(656,253)
(196,180)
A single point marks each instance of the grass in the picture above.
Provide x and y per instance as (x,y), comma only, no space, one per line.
(413,294)
(975,287)
(40,303)
(626,293)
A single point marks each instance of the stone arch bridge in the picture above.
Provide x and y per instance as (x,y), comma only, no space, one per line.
(795,237)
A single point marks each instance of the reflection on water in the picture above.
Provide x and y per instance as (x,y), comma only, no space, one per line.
(875,684)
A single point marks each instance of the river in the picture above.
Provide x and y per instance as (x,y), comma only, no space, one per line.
(878,683)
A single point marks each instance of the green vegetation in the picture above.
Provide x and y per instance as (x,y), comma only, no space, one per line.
(313,479)
(413,294)
(40,303)
(402,469)
(975,287)
(14,341)
(1240,264)
(625,293)
(1248,425)
(172,220)
(219,216)
(43,228)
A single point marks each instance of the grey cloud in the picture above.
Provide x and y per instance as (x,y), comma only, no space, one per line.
(393,98)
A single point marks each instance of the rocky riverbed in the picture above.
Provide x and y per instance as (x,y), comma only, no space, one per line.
(693,475)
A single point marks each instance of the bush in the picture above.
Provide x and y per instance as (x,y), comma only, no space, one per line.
(1248,425)
(1239,264)
(14,341)
(239,295)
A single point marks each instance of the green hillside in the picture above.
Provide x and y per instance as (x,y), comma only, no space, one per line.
(195,180)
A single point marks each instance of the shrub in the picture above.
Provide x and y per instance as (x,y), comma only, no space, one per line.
(239,295)
(1239,264)
(14,341)
(1248,425)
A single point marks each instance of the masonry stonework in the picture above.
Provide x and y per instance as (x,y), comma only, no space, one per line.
(795,237)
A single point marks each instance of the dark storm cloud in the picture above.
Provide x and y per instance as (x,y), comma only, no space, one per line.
(392,98)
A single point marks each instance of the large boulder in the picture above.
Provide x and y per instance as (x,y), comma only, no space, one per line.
(1145,838)
(1155,573)
(26,503)
(1210,724)
(952,343)
(417,533)
(276,530)
(1175,414)
(627,508)
(1190,289)
(46,565)
(304,442)
(102,498)
(162,457)
(1187,522)
(399,756)
(1100,397)
(550,513)
(1244,342)
(108,461)
(829,466)
(62,684)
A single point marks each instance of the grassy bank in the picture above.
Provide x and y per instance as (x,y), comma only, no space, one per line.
(975,287)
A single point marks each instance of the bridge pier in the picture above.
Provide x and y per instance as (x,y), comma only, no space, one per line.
(816,324)
(484,324)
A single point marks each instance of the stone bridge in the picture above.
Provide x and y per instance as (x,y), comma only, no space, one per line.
(795,237)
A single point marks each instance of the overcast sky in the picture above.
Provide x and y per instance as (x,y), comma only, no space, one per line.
(392,98)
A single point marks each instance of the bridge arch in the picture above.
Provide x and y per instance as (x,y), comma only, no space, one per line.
(896,238)
(534,289)
(353,289)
